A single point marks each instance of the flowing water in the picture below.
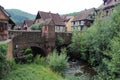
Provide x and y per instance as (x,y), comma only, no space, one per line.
(77,69)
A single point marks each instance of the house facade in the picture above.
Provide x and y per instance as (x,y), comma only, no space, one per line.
(107,7)
(59,22)
(68,20)
(84,19)
(48,32)
(5,24)
(27,24)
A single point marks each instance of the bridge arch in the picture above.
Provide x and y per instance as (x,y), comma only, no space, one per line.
(36,40)
(32,40)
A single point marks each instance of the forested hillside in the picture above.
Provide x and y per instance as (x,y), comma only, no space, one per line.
(19,16)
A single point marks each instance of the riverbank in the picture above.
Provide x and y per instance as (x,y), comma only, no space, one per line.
(32,72)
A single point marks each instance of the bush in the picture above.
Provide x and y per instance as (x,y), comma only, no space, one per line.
(59,41)
(4,64)
(40,61)
(37,26)
(99,45)
(113,64)
(32,72)
(29,55)
(58,62)
(3,48)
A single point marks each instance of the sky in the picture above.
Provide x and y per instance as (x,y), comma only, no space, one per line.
(54,6)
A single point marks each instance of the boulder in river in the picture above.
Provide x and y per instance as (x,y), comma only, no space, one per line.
(78,73)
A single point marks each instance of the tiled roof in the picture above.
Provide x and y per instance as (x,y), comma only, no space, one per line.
(47,21)
(109,4)
(6,13)
(83,15)
(67,18)
(12,22)
(20,24)
(28,22)
(55,17)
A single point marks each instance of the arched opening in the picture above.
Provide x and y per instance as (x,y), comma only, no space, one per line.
(37,51)
(28,53)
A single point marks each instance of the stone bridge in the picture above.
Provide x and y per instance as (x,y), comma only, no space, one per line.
(27,39)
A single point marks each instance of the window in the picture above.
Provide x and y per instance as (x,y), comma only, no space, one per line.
(61,28)
(73,23)
(57,28)
(3,26)
(82,22)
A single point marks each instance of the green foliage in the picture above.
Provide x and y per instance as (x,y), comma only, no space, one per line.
(58,62)
(59,41)
(3,48)
(40,61)
(113,64)
(99,45)
(27,51)
(32,72)
(75,40)
(29,56)
(19,16)
(4,65)
(37,26)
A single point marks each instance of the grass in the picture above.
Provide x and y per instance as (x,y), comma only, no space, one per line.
(32,72)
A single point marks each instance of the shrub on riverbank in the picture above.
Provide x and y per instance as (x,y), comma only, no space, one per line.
(100,45)
(4,64)
(58,62)
(32,72)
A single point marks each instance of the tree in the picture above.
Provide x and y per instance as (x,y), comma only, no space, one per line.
(37,26)
(4,65)
(99,45)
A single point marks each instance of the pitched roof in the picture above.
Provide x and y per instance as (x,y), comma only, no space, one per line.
(55,17)
(5,12)
(67,18)
(12,22)
(20,24)
(28,22)
(8,15)
(83,15)
(109,3)
(47,21)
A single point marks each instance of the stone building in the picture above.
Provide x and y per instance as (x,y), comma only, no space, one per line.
(27,24)
(68,20)
(59,22)
(5,24)
(84,19)
(107,7)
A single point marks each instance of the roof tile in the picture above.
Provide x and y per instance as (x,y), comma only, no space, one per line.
(82,15)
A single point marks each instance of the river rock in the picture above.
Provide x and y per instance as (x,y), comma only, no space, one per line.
(78,73)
